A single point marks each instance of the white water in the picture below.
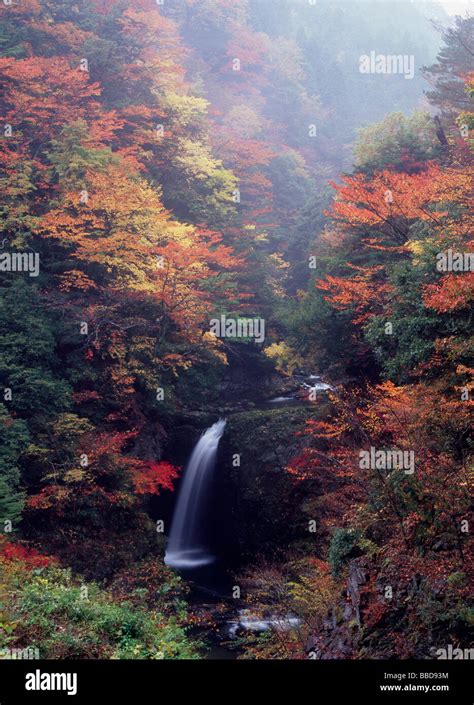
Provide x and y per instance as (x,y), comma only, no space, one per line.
(186,546)
(249,622)
(318,387)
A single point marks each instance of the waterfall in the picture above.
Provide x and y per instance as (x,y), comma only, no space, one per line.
(186,546)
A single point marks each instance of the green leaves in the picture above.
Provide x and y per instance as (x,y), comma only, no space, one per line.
(64,618)
(28,362)
(15,437)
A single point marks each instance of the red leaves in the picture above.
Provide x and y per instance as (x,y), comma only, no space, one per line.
(154,477)
(29,557)
(251,49)
(111,476)
(386,416)
(53,496)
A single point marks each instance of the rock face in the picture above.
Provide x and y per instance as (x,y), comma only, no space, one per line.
(355,580)
(267,511)
(341,631)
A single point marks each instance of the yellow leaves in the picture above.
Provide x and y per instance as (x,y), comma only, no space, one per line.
(74,475)
(279,262)
(69,426)
(119,224)
(277,277)
(417,247)
(67,475)
(214,344)
(197,161)
(313,592)
(175,362)
(185,109)
(286,359)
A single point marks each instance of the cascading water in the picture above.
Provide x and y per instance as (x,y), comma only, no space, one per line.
(186,547)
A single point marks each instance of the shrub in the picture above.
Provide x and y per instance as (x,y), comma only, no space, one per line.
(342,547)
(46,608)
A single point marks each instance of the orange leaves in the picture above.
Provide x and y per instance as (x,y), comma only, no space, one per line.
(43,92)
(364,294)
(75,279)
(42,96)
(91,171)
(409,221)
(122,226)
(374,243)
(455,291)
(324,429)
(67,34)
(160,53)
(413,418)
(392,200)
(107,223)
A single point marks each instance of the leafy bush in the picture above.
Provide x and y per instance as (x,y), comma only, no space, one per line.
(47,609)
(341,548)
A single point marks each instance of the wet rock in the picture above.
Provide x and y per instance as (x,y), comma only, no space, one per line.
(356,578)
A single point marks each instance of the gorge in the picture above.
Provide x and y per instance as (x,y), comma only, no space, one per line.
(239,297)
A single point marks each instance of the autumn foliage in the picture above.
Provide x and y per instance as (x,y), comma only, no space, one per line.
(160,161)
